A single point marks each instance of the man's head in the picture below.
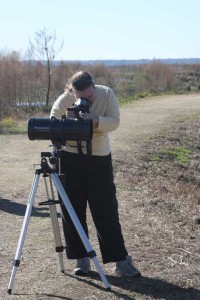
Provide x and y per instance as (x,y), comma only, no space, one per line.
(83,85)
(82,80)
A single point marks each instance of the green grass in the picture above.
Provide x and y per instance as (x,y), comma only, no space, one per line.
(130,99)
(196,116)
(179,154)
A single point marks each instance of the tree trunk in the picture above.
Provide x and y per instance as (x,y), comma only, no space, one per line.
(49,82)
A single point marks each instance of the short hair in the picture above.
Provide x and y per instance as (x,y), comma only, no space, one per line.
(81,80)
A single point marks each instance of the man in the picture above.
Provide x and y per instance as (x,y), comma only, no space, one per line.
(89,179)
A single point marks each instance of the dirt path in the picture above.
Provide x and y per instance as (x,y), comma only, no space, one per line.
(144,118)
(38,276)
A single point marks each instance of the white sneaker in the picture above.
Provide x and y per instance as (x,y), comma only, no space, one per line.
(83,266)
(126,268)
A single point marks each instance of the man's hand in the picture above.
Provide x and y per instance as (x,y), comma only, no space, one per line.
(93,116)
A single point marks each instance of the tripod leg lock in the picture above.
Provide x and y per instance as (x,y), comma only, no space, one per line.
(91,254)
(16,263)
(60,249)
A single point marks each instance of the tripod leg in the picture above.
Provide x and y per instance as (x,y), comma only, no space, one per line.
(79,227)
(55,224)
(16,261)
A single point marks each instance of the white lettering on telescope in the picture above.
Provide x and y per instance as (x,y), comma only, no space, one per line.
(42,128)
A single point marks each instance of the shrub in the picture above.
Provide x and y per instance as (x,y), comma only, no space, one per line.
(9,125)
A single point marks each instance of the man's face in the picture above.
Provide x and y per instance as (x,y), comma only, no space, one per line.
(88,93)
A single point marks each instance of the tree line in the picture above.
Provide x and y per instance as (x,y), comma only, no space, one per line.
(24,81)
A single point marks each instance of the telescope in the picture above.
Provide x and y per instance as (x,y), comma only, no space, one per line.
(60,130)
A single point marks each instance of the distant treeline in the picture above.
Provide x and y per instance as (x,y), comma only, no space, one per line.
(123,62)
(25,81)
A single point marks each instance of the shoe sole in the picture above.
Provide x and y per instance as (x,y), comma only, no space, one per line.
(137,275)
(81,273)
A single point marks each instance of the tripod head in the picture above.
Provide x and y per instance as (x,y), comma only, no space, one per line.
(54,159)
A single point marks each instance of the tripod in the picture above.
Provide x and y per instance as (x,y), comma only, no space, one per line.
(50,172)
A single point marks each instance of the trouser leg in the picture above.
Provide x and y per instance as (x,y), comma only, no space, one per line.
(76,192)
(104,209)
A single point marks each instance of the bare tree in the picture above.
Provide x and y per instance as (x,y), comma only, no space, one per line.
(44,48)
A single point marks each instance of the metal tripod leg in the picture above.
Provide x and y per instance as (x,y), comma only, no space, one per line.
(16,261)
(55,224)
(54,221)
(79,227)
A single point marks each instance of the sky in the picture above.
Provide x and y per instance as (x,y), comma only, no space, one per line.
(106,29)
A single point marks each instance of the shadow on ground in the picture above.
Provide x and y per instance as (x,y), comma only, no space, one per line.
(130,288)
(19,209)
(146,286)
(44,295)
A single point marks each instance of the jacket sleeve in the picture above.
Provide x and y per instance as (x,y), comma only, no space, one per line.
(111,119)
(60,106)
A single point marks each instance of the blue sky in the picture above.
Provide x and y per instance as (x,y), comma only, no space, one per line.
(106,29)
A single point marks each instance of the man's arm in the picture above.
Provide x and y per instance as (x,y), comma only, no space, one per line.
(110,121)
(60,106)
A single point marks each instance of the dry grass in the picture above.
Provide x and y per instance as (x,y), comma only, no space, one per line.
(159,212)
(161,201)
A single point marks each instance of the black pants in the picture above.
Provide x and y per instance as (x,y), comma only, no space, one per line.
(90,179)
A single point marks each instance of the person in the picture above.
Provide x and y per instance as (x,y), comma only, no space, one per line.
(89,178)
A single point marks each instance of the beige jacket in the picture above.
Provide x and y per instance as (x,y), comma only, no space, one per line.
(107,108)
